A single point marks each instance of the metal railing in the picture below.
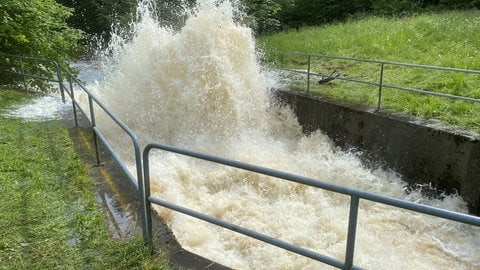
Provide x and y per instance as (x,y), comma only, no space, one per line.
(355,196)
(142,179)
(64,77)
(380,83)
(54,68)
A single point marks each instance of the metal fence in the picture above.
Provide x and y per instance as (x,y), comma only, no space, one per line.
(16,66)
(355,196)
(68,83)
(303,65)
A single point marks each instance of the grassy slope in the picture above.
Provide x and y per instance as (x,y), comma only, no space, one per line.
(447,39)
(49,217)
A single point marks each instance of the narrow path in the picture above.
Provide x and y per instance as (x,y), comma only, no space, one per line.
(119,199)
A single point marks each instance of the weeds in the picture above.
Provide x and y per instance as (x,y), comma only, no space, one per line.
(49,217)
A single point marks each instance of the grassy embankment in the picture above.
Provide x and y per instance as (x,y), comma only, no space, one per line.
(447,39)
(49,217)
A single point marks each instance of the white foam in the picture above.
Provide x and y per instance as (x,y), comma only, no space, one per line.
(43,108)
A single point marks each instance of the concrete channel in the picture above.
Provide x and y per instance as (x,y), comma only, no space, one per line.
(423,152)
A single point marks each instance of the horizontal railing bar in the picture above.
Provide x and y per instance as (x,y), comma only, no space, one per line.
(426,92)
(30,75)
(83,112)
(295,70)
(120,123)
(378,61)
(119,160)
(408,89)
(104,108)
(21,57)
(425,209)
(245,231)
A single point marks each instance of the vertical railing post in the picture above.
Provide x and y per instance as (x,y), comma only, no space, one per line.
(95,139)
(60,81)
(145,204)
(352,231)
(380,87)
(308,72)
(22,69)
(72,96)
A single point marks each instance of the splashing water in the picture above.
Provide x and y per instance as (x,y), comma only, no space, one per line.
(202,88)
(43,108)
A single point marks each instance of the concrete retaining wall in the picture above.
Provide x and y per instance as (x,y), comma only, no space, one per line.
(421,153)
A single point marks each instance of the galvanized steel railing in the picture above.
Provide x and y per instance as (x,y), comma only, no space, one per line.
(380,83)
(142,180)
(26,74)
(63,74)
(93,100)
(355,196)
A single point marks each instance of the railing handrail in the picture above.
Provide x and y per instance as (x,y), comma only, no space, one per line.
(380,82)
(28,57)
(377,61)
(30,75)
(355,195)
(101,105)
(136,181)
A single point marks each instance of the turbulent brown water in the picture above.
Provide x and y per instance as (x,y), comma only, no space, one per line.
(202,88)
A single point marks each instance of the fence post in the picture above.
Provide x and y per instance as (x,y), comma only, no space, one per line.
(95,139)
(145,204)
(23,74)
(308,73)
(352,231)
(60,81)
(380,86)
(72,95)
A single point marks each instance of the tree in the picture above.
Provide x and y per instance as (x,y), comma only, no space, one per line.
(36,28)
(298,13)
(96,17)
(262,15)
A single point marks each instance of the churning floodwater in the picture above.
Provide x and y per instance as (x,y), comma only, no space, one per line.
(201,87)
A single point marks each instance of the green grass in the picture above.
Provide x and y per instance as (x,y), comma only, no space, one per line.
(446,39)
(49,217)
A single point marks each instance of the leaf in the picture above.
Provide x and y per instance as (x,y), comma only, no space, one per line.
(22,38)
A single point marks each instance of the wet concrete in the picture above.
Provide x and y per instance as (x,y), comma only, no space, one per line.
(422,151)
(119,199)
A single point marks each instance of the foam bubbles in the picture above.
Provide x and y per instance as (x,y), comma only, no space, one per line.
(43,108)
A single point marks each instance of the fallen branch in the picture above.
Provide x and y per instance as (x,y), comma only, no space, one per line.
(327,79)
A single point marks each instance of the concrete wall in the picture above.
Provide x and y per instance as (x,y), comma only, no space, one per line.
(419,152)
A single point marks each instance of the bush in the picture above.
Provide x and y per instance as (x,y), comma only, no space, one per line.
(36,28)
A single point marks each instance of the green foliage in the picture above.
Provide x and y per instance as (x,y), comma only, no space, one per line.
(97,17)
(36,28)
(395,7)
(305,12)
(262,15)
(299,13)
